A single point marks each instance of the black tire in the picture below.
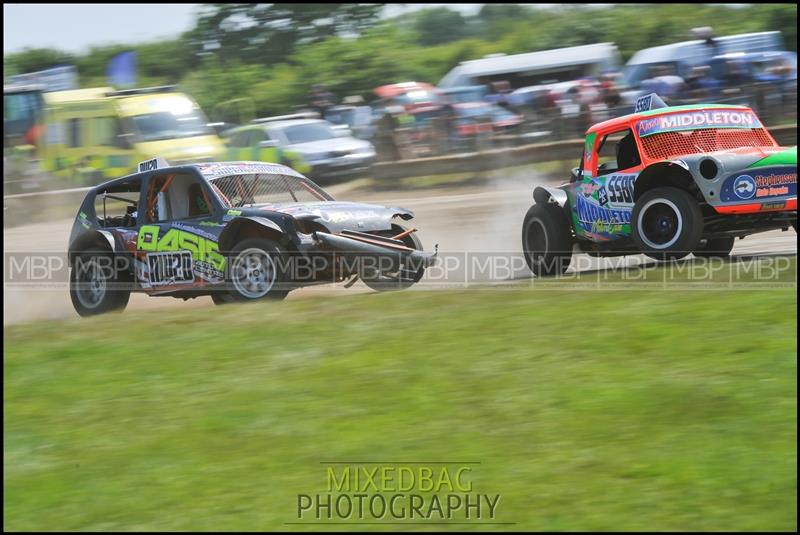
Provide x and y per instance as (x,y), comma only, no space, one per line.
(408,273)
(97,285)
(716,248)
(547,240)
(255,271)
(667,223)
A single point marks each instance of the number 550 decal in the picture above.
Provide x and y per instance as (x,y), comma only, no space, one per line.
(620,189)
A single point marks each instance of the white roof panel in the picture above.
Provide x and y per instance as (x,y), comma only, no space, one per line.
(531,61)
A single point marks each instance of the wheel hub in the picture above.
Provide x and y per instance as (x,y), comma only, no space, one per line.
(660,223)
(91,285)
(254,273)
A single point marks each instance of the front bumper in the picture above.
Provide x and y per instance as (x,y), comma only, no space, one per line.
(358,244)
(773,205)
(341,165)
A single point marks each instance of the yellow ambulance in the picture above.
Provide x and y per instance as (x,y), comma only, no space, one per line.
(92,135)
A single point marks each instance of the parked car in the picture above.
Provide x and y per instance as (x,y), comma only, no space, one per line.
(411,95)
(478,124)
(465,94)
(326,151)
(679,58)
(357,118)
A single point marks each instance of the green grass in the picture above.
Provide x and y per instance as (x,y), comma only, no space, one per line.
(588,410)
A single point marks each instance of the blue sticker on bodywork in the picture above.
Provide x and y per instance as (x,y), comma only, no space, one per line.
(757,184)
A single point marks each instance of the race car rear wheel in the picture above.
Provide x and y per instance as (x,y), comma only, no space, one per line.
(716,248)
(667,223)
(546,240)
(255,271)
(97,285)
(406,274)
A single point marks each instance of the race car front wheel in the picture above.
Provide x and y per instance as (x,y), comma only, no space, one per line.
(97,284)
(667,223)
(255,271)
(546,240)
(397,277)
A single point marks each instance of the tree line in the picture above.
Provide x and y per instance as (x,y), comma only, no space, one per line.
(260,59)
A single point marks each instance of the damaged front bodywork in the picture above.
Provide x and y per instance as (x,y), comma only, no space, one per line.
(356,244)
(182,227)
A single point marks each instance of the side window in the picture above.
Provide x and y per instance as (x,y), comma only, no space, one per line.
(178,196)
(74,132)
(274,135)
(239,139)
(258,136)
(576,173)
(617,151)
(103,131)
(117,206)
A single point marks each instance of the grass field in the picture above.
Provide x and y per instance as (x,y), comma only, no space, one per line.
(587,409)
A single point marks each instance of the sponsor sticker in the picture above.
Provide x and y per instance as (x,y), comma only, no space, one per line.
(170,268)
(744,187)
(602,196)
(698,119)
(772,205)
(151,165)
(593,217)
(217,170)
(760,184)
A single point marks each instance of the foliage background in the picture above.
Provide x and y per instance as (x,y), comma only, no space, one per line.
(271,54)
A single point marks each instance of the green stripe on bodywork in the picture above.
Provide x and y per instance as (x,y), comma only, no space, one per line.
(689,107)
(787,157)
(588,150)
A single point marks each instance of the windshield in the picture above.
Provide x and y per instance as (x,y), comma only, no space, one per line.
(419,96)
(635,74)
(246,190)
(305,133)
(671,144)
(21,111)
(475,111)
(462,96)
(341,116)
(161,125)
(501,114)
(694,131)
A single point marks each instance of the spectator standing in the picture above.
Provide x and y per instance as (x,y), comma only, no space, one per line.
(610,92)
(386,132)
(501,91)
(701,85)
(445,130)
(321,99)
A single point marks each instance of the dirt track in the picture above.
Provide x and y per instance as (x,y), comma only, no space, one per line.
(474,219)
